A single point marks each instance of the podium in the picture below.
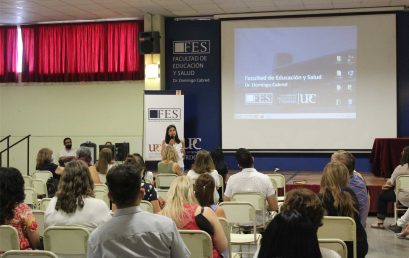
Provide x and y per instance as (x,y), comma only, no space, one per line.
(386,154)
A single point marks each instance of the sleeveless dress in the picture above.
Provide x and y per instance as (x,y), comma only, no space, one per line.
(190,221)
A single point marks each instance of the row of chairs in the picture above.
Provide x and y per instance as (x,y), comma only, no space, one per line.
(68,241)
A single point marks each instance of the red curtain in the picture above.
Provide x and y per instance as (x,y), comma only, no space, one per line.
(82,52)
(8,54)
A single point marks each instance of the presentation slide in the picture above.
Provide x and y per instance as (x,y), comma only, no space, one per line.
(310,83)
(285,76)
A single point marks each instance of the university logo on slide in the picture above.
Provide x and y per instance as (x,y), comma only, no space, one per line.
(191,47)
(164,113)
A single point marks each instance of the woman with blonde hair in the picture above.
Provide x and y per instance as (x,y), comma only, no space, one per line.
(339,200)
(204,164)
(169,163)
(183,208)
(74,202)
(44,161)
(100,169)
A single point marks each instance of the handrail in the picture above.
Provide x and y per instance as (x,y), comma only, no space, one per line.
(14,144)
(8,146)
(5,138)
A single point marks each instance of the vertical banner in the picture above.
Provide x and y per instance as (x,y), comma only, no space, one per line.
(160,110)
(193,66)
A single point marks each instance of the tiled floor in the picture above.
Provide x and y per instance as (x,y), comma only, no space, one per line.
(383,242)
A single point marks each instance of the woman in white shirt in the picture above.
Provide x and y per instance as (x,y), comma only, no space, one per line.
(74,202)
(172,139)
(204,164)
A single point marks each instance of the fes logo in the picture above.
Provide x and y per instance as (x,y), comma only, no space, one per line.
(191,47)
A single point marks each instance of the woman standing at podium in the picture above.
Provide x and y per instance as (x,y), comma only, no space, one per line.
(172,139)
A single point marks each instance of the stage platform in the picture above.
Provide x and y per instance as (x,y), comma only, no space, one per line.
(312,179)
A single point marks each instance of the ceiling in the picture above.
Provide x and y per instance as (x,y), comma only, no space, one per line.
(35,11)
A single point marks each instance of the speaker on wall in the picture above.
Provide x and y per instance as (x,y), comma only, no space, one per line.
(149,42)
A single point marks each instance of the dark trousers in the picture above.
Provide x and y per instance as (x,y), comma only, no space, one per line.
(385,197)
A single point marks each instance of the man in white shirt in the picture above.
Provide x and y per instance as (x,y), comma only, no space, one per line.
(133,232)
(68,153)
(250,180)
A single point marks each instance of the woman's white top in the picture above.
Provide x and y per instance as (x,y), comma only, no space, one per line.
(193,175)
(94,213)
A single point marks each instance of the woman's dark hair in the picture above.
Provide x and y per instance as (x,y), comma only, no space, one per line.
(218,160)
(11,192)
(136,160)
(167,137)
(405,156)
(204,189)
(75,184)
(290,235)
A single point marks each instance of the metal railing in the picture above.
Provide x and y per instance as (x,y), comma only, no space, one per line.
(7,150)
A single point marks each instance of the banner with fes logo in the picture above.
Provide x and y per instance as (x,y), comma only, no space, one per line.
(193,66)
(161,109)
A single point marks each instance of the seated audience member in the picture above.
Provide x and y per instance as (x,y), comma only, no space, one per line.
(169,163)
(204,192)
(13,210)
(100,169)
(74,202)
(68,153)
(339,200)
(183,208)
(84,154)
(250,180)
(221,167)
(293,232)
(204,164)
(147,176)
(150,193)
(356,182)
(388,192)
(44,161)
(133,232)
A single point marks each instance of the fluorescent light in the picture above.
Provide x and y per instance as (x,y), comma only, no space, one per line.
(152,71)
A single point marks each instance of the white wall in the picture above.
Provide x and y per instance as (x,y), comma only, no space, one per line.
(96,111)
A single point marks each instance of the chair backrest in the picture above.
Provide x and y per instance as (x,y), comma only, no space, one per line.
(40,187)
(227,231)
(39,215)
(44,203)
(164,180)
(43,175)
(31,197)
(103,187)
(402,181)
(146,206)
(66,241)
(256,199)
(28,181)
(240,213)
(336,245)
(9,238)
(28,254)
(162,193)
(198,242)
(102,195)
(278,181)
(343,228)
